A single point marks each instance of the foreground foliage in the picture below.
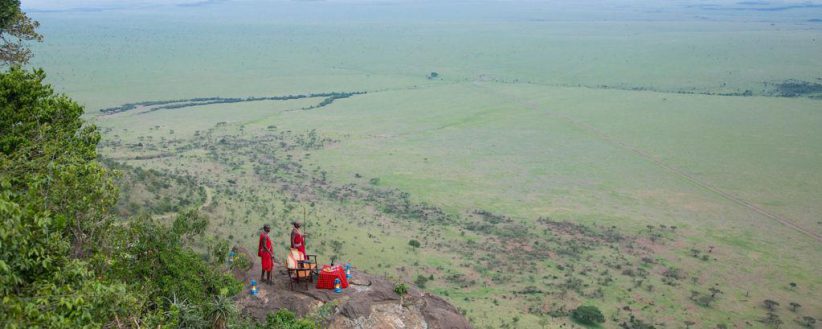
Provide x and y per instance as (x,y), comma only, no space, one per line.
(65,262)
(53,202)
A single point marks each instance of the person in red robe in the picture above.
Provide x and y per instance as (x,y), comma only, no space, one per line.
(297,238)
(266,254)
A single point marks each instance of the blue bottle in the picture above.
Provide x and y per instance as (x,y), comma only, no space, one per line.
(337,285)
(253,287)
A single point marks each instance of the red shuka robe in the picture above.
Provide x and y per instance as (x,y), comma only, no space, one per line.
(297,241)
(267,262)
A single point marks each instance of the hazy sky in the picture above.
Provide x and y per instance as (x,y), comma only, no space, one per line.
(86,5)
(102,4)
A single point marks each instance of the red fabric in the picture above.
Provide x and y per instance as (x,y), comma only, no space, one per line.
(297,241)
(265,256)
(327,276)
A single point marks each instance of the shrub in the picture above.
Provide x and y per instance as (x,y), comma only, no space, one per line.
(285,319)
(242,262)
(421,281)
(401,289)
(588,315)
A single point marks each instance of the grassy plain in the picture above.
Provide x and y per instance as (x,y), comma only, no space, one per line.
(601,125)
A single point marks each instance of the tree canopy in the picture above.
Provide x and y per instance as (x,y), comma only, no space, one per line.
(65,262)
(588,315)
(16,28)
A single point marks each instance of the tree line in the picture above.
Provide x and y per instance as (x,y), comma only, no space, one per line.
(156,105)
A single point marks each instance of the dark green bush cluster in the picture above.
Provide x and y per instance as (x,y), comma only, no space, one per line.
(588,315)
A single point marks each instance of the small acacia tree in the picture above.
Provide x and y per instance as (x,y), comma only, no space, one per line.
(414,243)
(770,304)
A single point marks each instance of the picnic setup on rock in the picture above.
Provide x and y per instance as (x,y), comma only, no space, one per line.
(357,299)
(301,268)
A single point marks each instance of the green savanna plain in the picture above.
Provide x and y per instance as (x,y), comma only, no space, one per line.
(609,115)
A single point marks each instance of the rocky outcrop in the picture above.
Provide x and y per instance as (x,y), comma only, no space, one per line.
(369,302)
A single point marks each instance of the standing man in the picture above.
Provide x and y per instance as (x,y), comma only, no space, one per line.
(297,240)
(266,254)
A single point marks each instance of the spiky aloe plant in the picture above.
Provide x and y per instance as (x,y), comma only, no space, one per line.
(221,309)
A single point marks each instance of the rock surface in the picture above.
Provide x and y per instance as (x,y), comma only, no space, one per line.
(369,302)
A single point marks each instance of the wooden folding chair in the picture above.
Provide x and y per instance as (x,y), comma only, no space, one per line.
(299,269)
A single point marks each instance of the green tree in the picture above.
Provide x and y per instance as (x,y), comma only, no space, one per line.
(588,315)
(401,289)
(421,281)
(15,30)
(414,243)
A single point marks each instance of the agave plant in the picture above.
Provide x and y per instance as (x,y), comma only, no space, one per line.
(221,310)
(185,314)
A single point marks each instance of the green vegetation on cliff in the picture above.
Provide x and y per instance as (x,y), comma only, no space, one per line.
(66,261)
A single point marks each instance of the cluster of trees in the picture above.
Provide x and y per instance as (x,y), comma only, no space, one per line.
(773,320)
(154,192)
(330,97)
(705,299)
(635,323)
(795,88)
(65,260)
